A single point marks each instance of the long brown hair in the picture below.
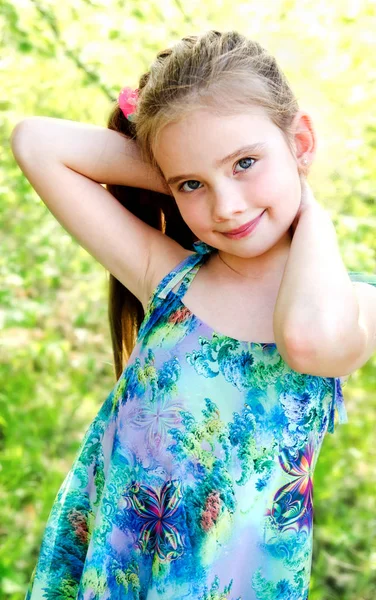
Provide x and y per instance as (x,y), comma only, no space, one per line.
(225,72)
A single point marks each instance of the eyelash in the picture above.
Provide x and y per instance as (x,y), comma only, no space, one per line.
(180,187)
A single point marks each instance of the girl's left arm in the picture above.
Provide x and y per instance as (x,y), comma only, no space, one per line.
(324,324)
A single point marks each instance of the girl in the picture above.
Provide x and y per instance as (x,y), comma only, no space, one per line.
(195,480)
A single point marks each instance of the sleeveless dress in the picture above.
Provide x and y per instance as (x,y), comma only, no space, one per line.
(195,479)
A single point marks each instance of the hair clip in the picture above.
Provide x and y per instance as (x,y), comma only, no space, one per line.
(128,102)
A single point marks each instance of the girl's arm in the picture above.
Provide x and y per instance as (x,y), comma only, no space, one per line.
(317,313)
(101,154)
(66,163)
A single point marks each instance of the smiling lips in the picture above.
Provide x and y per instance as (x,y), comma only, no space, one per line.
(243,227)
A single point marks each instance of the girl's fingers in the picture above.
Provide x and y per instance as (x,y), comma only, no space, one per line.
(308,197)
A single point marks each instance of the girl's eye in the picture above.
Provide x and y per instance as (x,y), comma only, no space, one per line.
(191,182)
(244,163)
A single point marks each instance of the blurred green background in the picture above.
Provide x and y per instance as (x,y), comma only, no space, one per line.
(70,60)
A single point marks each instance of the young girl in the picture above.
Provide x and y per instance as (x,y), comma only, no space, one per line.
(233,320)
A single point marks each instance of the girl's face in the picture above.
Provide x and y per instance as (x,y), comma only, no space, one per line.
(224,171)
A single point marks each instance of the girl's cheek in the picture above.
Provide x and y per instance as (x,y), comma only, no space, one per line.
(190,215)
(280,185)
(192,208)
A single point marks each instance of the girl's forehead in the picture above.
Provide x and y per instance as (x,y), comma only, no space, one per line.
(203,130)
(209,118)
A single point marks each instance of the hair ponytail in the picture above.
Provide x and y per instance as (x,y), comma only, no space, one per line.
(125,311)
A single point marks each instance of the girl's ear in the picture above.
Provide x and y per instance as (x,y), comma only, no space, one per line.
(304,140)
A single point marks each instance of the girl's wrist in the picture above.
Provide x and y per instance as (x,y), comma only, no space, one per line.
(308,205)
(314,213)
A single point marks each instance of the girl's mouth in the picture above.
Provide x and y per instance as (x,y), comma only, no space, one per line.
(244,229)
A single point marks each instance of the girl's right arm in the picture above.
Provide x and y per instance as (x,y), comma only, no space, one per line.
(66,162)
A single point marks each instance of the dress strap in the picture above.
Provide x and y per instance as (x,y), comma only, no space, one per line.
(163,298)
(337,403)
(185,271)
(362,276)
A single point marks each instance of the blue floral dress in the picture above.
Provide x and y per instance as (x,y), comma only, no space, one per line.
(195,479)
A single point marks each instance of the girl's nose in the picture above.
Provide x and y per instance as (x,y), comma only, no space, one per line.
(228,202)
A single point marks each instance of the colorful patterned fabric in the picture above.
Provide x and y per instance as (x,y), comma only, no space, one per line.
(195,479)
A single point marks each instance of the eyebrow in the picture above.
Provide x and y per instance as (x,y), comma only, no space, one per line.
(250,148)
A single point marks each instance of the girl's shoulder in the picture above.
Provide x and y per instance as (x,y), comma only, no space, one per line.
(163,264)
(174,258)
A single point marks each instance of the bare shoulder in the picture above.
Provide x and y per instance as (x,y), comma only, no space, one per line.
(165,255)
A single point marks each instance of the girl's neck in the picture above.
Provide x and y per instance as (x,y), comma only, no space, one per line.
(267,268)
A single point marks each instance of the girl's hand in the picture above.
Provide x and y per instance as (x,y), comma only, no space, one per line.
(307,201)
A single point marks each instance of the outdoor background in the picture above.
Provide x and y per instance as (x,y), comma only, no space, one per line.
(70,60)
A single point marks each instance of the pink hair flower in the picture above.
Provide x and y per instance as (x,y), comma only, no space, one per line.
(128,101)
